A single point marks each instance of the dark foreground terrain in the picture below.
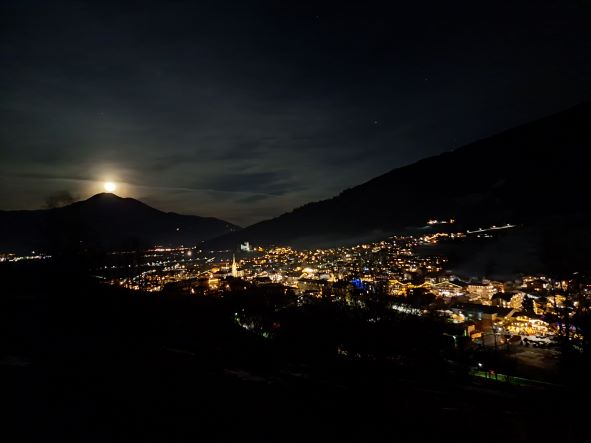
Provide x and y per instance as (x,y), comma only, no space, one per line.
(90,363)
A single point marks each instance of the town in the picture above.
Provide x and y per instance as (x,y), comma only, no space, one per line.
(531,311)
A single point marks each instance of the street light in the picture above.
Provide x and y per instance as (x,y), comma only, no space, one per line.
(454,337)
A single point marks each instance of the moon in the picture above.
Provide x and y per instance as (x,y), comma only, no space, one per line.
(110,186)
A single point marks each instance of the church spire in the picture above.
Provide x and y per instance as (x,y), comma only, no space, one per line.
(234,267)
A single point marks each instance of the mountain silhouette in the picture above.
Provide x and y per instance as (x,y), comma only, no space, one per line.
(534,174)
(105,222)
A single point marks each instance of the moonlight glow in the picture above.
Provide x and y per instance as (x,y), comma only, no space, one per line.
(110,186)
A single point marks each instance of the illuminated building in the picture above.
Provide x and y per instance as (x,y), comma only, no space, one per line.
(234,267)
(481,290)
(447,289)
(483,316)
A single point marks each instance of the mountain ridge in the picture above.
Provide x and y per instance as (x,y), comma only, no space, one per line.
(532,170)
(104,221)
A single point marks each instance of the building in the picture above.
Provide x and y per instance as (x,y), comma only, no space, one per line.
(447,289)
(310,285)
(483,316)
(526,325)
(235,271)
(482,291)
(396,288)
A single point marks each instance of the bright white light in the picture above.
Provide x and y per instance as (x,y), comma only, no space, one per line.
(110,186)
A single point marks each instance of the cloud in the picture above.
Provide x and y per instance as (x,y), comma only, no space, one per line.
(48,176)
(253,198)
(271,183)
(59,199)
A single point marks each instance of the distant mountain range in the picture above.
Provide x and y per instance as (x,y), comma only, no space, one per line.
(104,222)
(534,174)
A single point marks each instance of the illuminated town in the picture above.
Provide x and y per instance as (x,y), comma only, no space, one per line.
(529,310)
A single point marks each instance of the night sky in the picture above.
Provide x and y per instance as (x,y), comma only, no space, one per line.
(246,109)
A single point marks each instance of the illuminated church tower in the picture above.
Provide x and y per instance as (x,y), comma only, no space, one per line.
(234,267)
